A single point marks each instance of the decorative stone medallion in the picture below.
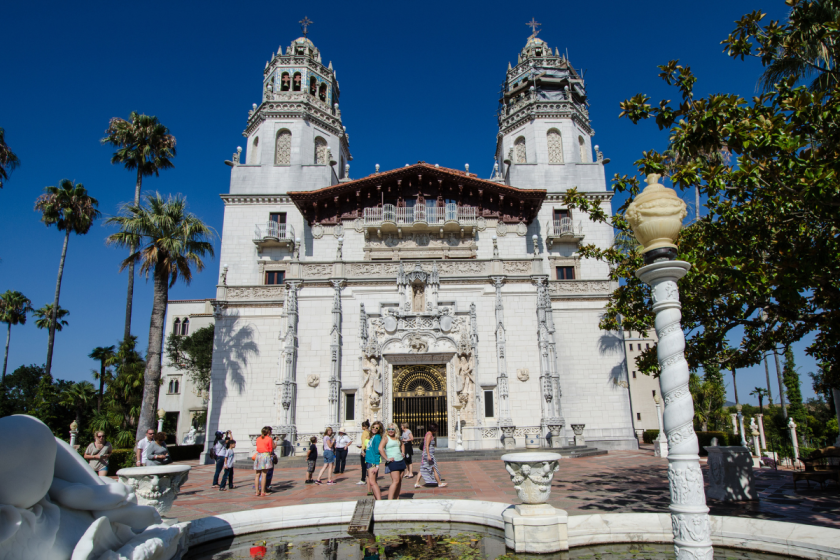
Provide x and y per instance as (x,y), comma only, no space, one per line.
(522,374)
(501,229)
(481,224)
(390,323)
(358,225)
(338,231)
(313,379)
(446,323)
(531,474)
(521,229)
(317,231)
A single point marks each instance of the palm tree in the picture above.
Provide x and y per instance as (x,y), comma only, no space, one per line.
(103,354)
(808,49)
(45,315)
(146,145)
(77,397)
(760,393)
(13,309)
(71,209)
(8,160)
(168,241)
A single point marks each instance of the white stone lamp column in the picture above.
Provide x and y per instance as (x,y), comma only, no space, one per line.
(734,423)
(74,431)
(756,444)
(161,414)
(656,218)
(458,405)
(743,432)
(761,430)
(660,446)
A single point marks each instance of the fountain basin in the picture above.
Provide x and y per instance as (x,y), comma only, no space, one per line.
(531,474)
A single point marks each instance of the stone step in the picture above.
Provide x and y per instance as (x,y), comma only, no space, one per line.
(444,455)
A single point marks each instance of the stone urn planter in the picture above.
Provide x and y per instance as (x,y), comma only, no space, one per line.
(155,486)
(534,525)
(531,474)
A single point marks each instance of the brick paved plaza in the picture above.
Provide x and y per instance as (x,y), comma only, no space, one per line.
(622,481)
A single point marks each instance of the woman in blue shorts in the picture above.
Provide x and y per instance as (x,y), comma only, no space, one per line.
(329,457)
(373,458)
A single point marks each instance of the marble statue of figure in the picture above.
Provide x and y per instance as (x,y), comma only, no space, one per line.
(375,399)
(464,379)
(373,374)
(54,506)
(419,298)
(189,439)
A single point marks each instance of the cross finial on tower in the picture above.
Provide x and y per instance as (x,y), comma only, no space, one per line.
(304,24)
(534,24)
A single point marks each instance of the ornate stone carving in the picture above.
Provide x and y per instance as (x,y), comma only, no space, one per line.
(522,374)
(317,231)
(521,229)
(313,379)
(481,223)
(501,229)
(579,287)
(517,267)
(338,231)
(359,225)
(687,483)
(416,343)
(531,474)
(317,270)
(252,293)
(155,486)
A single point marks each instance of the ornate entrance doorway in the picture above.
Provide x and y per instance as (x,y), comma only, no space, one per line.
(420,398)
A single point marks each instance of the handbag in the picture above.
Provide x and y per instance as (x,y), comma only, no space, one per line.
(274,458)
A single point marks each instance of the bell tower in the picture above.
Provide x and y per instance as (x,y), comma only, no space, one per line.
(544,131)
(295,135)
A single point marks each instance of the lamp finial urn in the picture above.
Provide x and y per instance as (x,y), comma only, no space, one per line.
(656,218)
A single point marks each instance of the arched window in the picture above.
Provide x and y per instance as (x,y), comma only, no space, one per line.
(174,387)
(555,146)
(285,82)
(296,82)
(254,152)
(176,328)
(584,157)
(283,148)
(519,151)
(185,327)
(320,151)
(322,93)
(313,85)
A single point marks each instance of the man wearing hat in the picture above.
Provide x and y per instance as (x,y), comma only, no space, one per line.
(342,442)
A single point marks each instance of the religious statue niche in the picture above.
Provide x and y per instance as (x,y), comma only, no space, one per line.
(418,297)
(463,374)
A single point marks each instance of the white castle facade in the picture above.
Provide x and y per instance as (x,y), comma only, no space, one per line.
(420,294)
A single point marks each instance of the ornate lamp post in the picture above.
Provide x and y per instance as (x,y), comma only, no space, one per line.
(74,431)
(656,218)
(738,407)
(458,405)
(660,446)
(160,414)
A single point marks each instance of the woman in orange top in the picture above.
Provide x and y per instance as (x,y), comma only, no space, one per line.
(262,461)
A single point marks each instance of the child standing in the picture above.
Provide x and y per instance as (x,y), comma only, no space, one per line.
(228,475)
(311,457)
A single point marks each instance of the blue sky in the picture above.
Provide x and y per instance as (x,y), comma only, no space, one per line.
(419,81)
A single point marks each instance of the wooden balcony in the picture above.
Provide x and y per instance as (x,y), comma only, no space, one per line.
(432,219)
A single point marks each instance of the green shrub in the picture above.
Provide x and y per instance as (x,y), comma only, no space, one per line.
(705,439)
(121,459)
(650,435)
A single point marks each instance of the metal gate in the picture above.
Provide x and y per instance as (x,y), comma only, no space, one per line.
(420,398)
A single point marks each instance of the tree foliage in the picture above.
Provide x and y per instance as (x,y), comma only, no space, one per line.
(8,160)
(193,354)
(45,313)
(766,257)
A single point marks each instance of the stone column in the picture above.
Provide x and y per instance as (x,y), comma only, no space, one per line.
(505,420)
(792,427)
(578,430)
(288,391)
(479,394)
(689,514)
(761,430)
(756,444)
(556,437)
(734,423)
(161,414)
(549,378)
(335,357)
(660,446)
(74,431)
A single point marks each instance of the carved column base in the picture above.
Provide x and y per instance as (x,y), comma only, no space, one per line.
(508,431)
(579,439)
(556,430)
(288,436)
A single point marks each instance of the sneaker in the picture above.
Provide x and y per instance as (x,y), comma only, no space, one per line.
(330,482)
(360,483)
(309,482)
(318,482)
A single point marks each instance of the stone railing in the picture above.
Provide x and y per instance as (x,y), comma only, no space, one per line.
(255,293)
(580,287)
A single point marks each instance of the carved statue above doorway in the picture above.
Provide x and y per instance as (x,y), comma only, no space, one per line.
(418,298)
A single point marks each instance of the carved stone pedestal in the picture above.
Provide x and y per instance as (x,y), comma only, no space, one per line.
(579,439)
(731,474)
(508,432)
(534,526)
(556,437)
